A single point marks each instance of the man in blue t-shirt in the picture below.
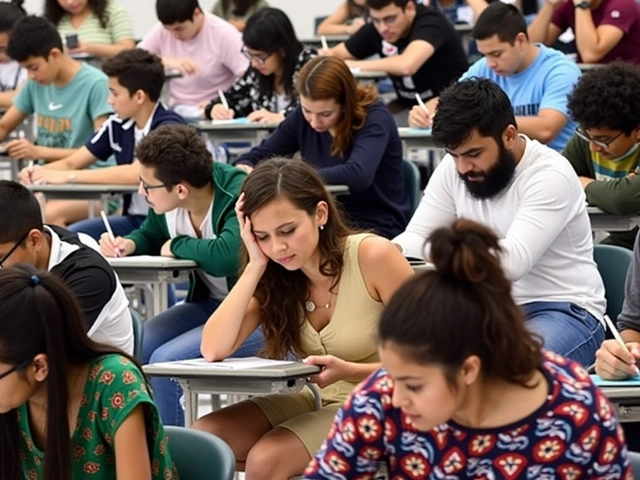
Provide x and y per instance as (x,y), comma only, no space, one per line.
(537,79)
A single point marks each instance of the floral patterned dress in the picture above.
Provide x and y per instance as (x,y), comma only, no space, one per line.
(114,388)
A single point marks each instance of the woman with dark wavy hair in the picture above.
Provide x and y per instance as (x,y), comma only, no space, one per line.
(102,28)
(317,290)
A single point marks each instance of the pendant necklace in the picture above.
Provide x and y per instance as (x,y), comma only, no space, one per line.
(311,307)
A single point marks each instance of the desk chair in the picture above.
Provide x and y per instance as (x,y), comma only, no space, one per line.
(634,458)
(138,333)
(412,183)
(613,263)
(317,21)
(200,455)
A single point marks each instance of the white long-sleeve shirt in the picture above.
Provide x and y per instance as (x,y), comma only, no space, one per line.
(541,220)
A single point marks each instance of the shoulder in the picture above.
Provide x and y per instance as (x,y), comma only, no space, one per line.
(378,113)
(624,7)
(114,8)
(228,177)
(166,117)
(307,53)
(91,74)
(554,61)
(375,251)
(429,16)
(114,370)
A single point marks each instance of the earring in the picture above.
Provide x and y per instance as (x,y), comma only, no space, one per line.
(321,227)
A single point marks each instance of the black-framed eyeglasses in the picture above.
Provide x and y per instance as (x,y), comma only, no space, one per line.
(13,249)
(15,368)
(601,143)
(146,187)
(261,59)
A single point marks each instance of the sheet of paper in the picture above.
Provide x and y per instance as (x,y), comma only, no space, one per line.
(236,121)
(230,363)
(424,131)
(355,70)
(631,382)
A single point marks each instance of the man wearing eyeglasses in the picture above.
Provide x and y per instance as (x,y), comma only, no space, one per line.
(73,258)
(418,48)
(605,151)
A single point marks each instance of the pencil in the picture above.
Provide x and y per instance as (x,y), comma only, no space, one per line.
(323,40)
(107,226)
(421,103)
(615,333)
(223,99)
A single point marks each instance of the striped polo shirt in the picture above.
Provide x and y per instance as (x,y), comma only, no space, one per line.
(119,27)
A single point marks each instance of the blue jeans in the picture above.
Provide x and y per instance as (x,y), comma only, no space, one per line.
(176,335)
(566,328)
(120,224)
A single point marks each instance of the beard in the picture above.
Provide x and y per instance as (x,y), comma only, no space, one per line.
(494,180)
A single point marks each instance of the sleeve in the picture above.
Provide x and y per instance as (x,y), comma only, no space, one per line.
(120,22)
(152,41)
(432,29)
(23,101)
(151,235)
(629,318)
(436,209)
(238,95)
(621,14)
(558,84)
(99,99)
(234,60)
(218,257)
(99,145)
(361,44)
(620,197)
(284,141)
(560,16)
(355,445)
(579,157)
(477,70)
(369,147)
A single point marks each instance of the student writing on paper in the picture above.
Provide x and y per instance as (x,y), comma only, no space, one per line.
(316,288)
(343,130)
(466,390)
(347,19)
(70,407)
(192,217)
(72,257)
(12,75)
(605,150)
(266,92)
(531,197)
(136,78)
(103,27)
(238,12)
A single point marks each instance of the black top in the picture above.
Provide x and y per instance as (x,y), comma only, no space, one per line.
(445,66)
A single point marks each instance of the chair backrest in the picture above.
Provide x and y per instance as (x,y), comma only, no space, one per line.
(317,21)
(200,455)
(613,263)
(412,183)
(138,333)
(634,458)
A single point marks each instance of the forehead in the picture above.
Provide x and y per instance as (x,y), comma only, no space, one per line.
(114,83)
(492,43)
(601,132)
(318,105)
(399,365)
(475,140)
(179,26)
(391,9)
(33,61)
(147,174)
(275,213)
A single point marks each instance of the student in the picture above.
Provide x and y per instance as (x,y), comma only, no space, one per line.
(343,130)
(605,30)
(347,19)
(192,217)
(103,27)
(238,12)
(73,258)
(11,75)
(533,200)
(266,92)
(419,49)
(136,78)
(469,393)
(316,289)
(605,150)
(536,79)
(70,407)
(203,47)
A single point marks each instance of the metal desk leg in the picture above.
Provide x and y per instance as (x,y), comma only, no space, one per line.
(190,403)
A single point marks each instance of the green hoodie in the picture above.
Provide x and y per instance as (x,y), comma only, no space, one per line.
(219,257)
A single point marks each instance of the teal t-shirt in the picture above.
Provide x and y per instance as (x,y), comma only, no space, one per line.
(65,115)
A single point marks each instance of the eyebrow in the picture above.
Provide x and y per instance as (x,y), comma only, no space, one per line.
(406,378)
(467,152)
(277,228)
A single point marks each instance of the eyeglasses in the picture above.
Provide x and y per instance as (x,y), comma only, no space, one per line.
(13,249)
(600,143)
(260,59)
(146,187)
(388,21)
(20,366)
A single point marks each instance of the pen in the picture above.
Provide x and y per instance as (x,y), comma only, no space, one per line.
(107,226)
(323,40)
(421,103)
(615,333)
(223,99)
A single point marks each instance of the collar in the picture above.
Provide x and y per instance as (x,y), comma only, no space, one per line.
(59,249)
(131,122)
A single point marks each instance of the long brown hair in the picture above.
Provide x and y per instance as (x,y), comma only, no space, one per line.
(281,294)
(324,78)
(464,307)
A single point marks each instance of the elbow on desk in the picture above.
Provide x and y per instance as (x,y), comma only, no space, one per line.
(590,57)
(211,354)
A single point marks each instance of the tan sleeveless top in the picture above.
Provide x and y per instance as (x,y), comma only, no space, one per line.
(351,334)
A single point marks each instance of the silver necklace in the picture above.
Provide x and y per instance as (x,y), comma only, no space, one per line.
(311,307)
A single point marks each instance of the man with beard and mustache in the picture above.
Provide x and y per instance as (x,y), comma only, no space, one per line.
(530,196)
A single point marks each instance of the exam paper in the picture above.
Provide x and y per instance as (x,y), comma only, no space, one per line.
(229,363)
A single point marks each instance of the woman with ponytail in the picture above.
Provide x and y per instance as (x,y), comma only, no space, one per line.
(70,408)
(11,75)
(466,390)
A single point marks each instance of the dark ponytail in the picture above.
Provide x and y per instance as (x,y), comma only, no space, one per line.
(10,13)
(463,307)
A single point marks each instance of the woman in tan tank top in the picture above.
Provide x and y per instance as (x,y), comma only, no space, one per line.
(316,289)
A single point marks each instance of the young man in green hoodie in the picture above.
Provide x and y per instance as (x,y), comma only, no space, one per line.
(192,217)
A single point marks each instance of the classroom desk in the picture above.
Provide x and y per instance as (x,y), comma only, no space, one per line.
(158,272)
(289,378)
(368,76)
(608,222)
(416,137)
(626,401)
(252,132)
(79,191)
(590,66)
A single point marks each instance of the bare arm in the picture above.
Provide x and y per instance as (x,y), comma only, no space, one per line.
(541,29)
(131,449)
(543,127)
(477,6)
(109,50)
(339,51)
(335,24)
(78,160)
(118,175)
(6,98)
(9,121)
(406,64)
(594,43)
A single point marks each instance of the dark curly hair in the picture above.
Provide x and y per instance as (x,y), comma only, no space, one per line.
(54,12)
(607,97)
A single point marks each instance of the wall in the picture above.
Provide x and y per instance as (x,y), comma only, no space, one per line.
(301,12)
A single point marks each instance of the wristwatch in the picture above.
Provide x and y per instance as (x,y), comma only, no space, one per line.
(584,5)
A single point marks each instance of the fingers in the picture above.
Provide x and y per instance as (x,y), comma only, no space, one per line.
(188,67)
(245,167)
(419,118)
(107,247)
(614,363)
(218,112)
(25,176)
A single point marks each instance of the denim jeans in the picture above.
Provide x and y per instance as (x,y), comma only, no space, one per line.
(566,328)
(120,224)
(176,335)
